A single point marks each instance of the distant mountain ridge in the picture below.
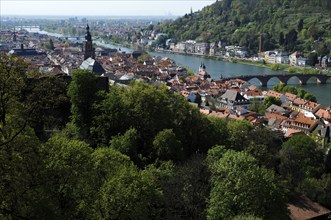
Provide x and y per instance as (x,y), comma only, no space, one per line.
(286,24)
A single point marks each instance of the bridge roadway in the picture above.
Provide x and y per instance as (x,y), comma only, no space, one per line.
(283,78)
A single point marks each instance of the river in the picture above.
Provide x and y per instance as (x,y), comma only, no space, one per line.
(217,68)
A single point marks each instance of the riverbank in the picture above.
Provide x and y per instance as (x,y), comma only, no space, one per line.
(275,67)
(284,67)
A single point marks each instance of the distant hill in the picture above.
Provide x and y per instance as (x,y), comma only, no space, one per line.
(283,24)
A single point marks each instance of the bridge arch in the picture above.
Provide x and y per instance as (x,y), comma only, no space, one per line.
(255,81)
(295,80)
(312,80)
(274,80)
(284,78)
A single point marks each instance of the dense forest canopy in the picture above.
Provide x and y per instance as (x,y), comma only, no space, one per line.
(71,150)
(290,25)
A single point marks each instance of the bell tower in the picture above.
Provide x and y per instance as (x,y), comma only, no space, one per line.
(89,50)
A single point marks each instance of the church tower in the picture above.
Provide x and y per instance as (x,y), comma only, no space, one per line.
(89,50)
(202,67)
(14,36)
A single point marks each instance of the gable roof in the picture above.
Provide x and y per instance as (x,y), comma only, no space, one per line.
(303,208)
(274,94)
(290,96)
(324,113)
(232,95)
(92,65)
(275,108)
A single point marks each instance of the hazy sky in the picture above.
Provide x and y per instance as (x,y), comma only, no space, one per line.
(103,7)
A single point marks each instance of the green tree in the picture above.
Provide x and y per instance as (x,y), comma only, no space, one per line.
(245,217)
(239,133)
(313,32)
(300,25)
(310,97)
(322,49)
(257,106)
(264,145)
(83,95)
(22,183)
(318,190)
(47,104)
(127,143)
(279,87)
(269,100)
(185,190)
(291,39)
(290,89)
(219,130)
(123,192)
(300,158)
(301,93)
(143,57)
(128,196)
(241,187)
(167,147)
(112,118)
(68,166)
(313,59)
(13,80)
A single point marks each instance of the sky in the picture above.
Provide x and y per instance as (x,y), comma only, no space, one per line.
(102,8)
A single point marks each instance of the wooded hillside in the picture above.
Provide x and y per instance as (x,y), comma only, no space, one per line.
(291,25)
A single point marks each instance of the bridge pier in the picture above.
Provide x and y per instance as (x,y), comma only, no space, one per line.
(321,80)
(283,78)
(264,81)
(284,82)
(303,81)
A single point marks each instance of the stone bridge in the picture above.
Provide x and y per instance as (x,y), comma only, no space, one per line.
(283,78)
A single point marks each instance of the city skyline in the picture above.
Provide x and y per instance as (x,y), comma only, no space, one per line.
(102,8)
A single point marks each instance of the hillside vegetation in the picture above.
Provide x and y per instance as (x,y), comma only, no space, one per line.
(291,25)
(76,150)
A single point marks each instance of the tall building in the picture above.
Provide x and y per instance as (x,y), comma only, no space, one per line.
(89,62)
(89,50)
(14,36)
(202,67)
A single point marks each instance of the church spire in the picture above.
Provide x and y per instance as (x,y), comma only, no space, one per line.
(89,50)
(88,36)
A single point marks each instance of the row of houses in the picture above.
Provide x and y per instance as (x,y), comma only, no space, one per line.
(294,59)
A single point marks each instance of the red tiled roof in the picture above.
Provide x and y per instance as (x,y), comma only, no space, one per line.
(323,113)
(303,208)
(311,105)
(269,115)
(291,132)
(299,101)
(305,120)
(290,96)
(274,94)
(253,93)
(252,88)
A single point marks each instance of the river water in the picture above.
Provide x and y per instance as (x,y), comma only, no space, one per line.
(217,68)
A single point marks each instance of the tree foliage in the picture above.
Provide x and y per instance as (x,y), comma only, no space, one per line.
(162,121)
(83,94)
(139,153)
(271,100)
(300,158)
(241,187)
(241,23)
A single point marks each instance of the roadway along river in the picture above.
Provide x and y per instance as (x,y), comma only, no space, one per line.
(216,68)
